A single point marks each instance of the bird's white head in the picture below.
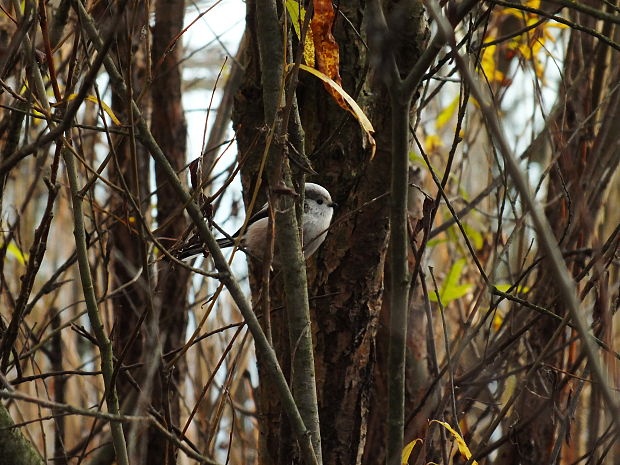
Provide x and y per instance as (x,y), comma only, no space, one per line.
(318,212)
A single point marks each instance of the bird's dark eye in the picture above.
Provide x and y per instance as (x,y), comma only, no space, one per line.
(320,201)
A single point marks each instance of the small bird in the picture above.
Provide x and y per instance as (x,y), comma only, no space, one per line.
(318,212)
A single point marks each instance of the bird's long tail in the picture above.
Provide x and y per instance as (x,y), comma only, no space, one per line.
(195,247)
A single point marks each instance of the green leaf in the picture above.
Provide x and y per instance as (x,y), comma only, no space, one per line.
(417,158)
(294,9)
(298,15)
(451,289)
(474,236)
(455,292)
(434,242)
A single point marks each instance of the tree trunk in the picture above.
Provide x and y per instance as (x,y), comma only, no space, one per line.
(170,130)
(346,274)
(128,169)
(14,447)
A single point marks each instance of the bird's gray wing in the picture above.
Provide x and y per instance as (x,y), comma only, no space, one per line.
(259,215)
(194,245)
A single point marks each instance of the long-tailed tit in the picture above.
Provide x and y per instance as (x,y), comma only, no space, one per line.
(318,212)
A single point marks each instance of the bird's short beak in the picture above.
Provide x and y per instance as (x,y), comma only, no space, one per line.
(333,205)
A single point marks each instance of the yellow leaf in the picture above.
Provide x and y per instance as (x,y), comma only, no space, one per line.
(298,15)
(521,13)
(497,321)
(408,449)
(460,442)
(36,110)
(15,252)
(432,143)
(558,25)
(352,106)
(488,65)
(518,289)
(447,113)
(104,106)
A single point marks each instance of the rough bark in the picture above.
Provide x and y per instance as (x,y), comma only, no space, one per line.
(169,128)
(15,449)
(346,274)
(127,170)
